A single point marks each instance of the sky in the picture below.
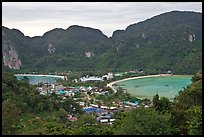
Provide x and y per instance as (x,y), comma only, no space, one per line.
(36,18)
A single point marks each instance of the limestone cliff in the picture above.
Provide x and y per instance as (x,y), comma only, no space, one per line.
(10,56)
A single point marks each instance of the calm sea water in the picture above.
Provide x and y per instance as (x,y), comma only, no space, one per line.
(167,86)
(39,79)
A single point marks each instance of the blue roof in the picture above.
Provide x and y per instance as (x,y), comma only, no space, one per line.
(60,92)
(134,102)
(89,110)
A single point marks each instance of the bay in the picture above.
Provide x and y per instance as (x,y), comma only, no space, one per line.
(35,79)
(167,86)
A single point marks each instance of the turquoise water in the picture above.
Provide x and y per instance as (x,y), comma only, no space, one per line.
(39,79)
(167,86)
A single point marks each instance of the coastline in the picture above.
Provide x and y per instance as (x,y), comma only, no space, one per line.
(148,76)
(56,76)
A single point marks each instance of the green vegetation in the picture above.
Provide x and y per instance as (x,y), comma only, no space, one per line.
(156,45)
(144,122)
(10,114)
(25,112)
(162,105)
(186,108)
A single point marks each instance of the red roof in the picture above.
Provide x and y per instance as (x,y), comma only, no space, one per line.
(73,119)
(69,115)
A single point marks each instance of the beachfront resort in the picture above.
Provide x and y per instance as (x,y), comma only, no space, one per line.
(87,98)
(100,102)
(93,100)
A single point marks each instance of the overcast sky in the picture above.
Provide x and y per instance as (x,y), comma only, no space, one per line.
(36,18)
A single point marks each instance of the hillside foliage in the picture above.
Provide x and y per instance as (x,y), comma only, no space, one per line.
(169,41)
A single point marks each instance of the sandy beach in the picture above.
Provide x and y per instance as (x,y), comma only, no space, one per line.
(114,82)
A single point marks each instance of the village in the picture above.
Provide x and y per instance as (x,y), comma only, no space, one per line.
(102,103)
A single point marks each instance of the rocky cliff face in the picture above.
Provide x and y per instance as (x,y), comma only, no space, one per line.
(10,56)
(51,49)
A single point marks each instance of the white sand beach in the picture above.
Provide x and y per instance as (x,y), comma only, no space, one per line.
(56,76)
(114,82)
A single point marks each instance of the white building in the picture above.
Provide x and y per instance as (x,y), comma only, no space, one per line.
(108,77)
(92,78)
(95,78)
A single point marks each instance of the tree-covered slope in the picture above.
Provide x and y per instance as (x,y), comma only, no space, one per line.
(170,41)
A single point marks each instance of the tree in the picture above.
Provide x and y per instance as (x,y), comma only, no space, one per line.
(197,77)
(119,116)
(62,115)
(144,121)
(164,105)
(71,106)
(120,91)
(54,96)
(10,113)
(156,100)
(38,131)
(25,79)
(194,120)
(185,105)
(54,128)
(85,119)
(102,129)
(85,125)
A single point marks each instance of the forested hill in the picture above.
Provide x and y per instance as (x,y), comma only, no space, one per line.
(169,41)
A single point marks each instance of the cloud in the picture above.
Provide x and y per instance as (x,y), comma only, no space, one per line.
(32,18)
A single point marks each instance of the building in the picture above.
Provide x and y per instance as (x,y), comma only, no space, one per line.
(92,78)
(107,77)
(59,87)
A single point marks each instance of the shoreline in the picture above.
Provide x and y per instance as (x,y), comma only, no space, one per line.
(148,76)
(56,76)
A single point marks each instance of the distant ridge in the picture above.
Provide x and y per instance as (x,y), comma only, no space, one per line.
(169,41)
